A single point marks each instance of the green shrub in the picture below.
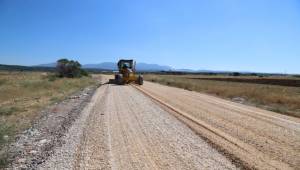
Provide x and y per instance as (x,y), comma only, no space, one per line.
(3,161)
(297,76)
(5,131)
(84,73)
(69,68)
(52,78)
(236,74)
(5,111)
(2,81)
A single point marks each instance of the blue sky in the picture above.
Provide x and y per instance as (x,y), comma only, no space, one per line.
(243,35)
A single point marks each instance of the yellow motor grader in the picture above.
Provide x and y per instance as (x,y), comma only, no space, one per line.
(127,73)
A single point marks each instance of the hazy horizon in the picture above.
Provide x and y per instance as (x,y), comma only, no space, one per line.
(172,68)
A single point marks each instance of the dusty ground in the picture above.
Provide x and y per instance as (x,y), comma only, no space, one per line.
(160,127)
(260,138)
(123,129)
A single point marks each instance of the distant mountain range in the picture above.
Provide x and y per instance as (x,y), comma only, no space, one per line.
(143,67)
(113,66)
(139,67)
(46,65)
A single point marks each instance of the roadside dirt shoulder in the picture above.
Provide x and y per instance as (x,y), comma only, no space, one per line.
(35,145)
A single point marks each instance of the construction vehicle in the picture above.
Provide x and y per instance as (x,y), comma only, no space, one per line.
(127,73)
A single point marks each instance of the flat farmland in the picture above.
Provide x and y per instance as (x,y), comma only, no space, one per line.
(281,81)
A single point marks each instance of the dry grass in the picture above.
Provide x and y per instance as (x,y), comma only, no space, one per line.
(282,99)
(23,94)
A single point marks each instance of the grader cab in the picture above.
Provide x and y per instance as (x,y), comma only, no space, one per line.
(127,73)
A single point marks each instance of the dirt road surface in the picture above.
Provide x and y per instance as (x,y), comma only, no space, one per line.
(259,138)
(159,127)
(123,129)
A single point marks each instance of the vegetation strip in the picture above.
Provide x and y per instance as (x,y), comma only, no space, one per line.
(269,81)
(24,95)
(280,99)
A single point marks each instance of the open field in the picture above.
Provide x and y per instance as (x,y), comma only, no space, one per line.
(23,94)
(281,81)
(260,92)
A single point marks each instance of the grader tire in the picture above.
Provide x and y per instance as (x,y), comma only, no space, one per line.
(119,79)
(140,80)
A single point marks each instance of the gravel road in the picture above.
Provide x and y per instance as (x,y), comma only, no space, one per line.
(159,127)
(260,139)
(121,128)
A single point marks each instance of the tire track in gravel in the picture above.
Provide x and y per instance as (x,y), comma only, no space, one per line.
(93,151)
(144,136)
(123,129)
(261,139)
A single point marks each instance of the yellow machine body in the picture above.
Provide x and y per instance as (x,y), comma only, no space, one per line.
(127,73)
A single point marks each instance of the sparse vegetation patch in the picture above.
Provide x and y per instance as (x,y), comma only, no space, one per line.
(6,135)
(282,99)
(2,81)
(23,94)
(6,111)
